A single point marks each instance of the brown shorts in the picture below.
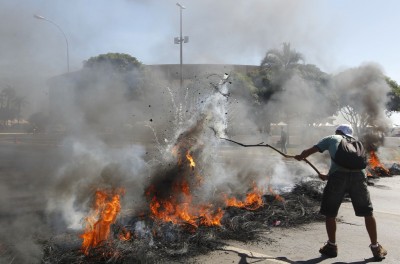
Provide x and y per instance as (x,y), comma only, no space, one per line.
(340,183)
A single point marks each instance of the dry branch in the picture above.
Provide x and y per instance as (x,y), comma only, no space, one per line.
(269,146)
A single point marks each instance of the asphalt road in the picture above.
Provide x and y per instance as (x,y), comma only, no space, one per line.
(25,171)
(301,244)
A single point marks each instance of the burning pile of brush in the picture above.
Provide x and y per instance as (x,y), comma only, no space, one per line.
(177,223)
(376,168)
(174,231)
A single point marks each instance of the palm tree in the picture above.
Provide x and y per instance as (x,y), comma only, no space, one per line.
(277,67)
(284,59)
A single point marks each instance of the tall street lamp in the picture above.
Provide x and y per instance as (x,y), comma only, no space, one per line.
(65,37)
(179,40)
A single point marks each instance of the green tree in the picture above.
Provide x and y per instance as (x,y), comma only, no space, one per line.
(115,67)
(362,98)
(284,59)
(243,88)
(321,82)
(277,70)
(394,96)
(119,62)
(358,120)
(278,66)
(110,78)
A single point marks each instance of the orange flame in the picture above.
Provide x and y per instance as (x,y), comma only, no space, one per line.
(375,163)
(252,201)
(125,235)
(105,211)
(277,196)
(373,160)
(179,208)
(210,219)
(191,160)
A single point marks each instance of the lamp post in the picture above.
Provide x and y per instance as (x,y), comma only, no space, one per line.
(65,37)
(179,40)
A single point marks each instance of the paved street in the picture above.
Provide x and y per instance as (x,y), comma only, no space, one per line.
(301,244)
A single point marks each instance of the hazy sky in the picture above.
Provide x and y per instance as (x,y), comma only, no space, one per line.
(334,35)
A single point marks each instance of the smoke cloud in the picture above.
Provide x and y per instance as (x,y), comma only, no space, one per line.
(36,49)
(365,89)
(111,121)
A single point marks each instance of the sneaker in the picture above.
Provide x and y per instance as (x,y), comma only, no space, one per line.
(379,252)
(329,250)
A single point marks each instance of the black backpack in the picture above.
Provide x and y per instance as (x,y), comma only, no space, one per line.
(351,154)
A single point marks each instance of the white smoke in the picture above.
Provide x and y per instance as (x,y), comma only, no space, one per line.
(94,166)
(237,32)
(365,89)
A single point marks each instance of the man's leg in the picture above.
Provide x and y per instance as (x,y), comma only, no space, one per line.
(331,200)
(361,201)
(377,250)
(330,249)
(330,224)
(370,224)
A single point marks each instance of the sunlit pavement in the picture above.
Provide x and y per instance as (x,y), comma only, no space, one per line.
(301,244)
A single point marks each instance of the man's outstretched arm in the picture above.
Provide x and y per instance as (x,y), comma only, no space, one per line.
(307,152)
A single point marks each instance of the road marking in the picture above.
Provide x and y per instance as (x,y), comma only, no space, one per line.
(252,254)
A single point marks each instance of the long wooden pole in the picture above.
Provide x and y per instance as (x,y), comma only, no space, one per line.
(269,146)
